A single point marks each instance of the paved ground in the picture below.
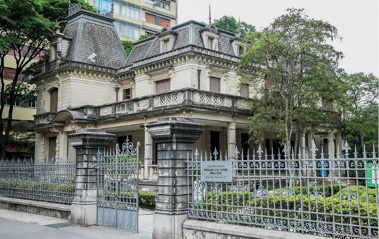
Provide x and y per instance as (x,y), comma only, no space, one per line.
(20,225)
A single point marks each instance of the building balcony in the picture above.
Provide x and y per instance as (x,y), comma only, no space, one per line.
(182,99)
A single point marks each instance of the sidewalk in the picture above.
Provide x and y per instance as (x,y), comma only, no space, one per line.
(16,225)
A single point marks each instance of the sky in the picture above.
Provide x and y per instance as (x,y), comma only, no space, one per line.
(356,21)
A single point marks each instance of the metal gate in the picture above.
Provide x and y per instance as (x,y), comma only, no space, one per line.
(117,183)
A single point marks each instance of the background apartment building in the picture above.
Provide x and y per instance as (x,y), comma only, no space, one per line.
(139,17)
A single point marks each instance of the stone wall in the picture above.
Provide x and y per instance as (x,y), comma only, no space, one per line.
(193,229)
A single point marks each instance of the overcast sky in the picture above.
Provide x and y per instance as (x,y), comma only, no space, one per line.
(356,21)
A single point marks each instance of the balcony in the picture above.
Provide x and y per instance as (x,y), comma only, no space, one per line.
(44,119)
(156,104)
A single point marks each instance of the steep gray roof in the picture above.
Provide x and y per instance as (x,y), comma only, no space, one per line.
(94,40)
(188,33)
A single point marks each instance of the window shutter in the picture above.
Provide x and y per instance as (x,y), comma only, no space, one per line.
(245,90)
(54,100)
(215,84)
(162,86)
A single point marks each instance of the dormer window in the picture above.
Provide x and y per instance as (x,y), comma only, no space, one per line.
(238,45)
(241,50)
(165,45)
(167,38)
(210,37)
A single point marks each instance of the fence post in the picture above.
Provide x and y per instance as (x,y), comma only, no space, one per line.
(175,138)
(87,142)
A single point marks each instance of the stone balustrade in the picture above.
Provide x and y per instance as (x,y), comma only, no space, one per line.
(183,98)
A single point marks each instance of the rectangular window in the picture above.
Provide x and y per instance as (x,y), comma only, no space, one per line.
(165,45)
(165,4)
(116,8)
(131,11)
(117,26)
(32,104)
(127,94)
(210,42)
(149,34)
(214,84)
(158,20)
(162,86)
(130,31)
(245,90)
(240,50)
(103,6)
(150,18)
(165,22)
(52,148)
(54,100)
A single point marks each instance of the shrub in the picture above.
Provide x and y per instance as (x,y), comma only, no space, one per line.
(147,199)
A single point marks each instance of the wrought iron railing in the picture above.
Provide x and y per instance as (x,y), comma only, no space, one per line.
(49,182)
(329,195)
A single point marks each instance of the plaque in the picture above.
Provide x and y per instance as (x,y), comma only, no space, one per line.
(217,171)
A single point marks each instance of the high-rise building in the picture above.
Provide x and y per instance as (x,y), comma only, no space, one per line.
(139,17)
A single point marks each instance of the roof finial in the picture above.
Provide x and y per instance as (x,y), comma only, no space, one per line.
(210,18)
(112,8)
(69,6)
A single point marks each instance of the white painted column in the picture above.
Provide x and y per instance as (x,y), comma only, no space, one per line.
(311,142)
(63,146)
(302,144)
(148,155)
(339,144)
(331,150)
(231,138)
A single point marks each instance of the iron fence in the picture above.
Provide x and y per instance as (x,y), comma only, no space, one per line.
(26,179)
(328,195)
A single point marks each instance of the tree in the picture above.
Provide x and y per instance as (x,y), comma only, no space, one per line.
(293,70)
(360,111)
(231,24)
(24,29)
(128,46)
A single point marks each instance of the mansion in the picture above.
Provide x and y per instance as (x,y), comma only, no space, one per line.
(185,71)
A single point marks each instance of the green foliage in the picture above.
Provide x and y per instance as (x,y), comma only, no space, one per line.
(52,189)
(292,68)
(128,46)
(229,23)
(24,30)
(360,111)
(147,199)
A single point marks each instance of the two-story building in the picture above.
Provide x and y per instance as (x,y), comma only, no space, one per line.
(185,71)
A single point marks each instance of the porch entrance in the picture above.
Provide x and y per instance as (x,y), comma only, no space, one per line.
(117,183)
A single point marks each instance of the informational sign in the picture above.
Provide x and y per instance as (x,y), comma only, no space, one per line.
(372,174)
(217,171)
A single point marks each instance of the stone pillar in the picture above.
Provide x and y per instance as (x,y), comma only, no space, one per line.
(339,144)
(87,143)
(63,146)
(231,138)
(175,138)
(148,154)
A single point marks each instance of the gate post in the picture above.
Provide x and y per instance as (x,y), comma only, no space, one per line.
(175,138)
(87,143)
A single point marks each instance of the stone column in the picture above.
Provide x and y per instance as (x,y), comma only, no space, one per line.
(148,154)
(63,146)
(231,138)
(87,143)
(302,145)
(175,138)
